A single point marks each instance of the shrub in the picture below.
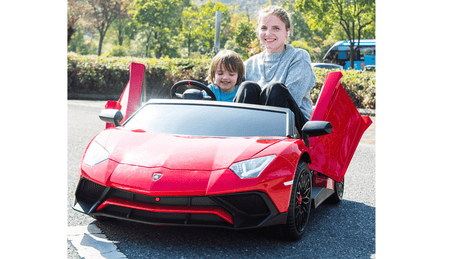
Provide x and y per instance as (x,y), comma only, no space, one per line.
(360,86)
(109,75)
(116,51)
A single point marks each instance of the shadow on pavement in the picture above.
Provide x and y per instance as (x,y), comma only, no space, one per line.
(345,230)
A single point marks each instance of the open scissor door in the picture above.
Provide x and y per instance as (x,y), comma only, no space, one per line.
(130,99)
(331,154)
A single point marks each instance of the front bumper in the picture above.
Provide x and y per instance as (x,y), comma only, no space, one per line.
(235,211)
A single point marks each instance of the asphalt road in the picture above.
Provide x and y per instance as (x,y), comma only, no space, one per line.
(346,230)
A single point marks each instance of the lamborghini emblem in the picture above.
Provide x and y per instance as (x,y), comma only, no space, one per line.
(156,176)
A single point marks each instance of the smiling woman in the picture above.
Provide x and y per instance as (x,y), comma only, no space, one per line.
(281,75)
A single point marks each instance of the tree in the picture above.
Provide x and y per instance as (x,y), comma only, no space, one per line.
(160,20)
(352,15)
(245,35)
(103,13)
(204,31)
(120,26)
(189,32)
(75,12)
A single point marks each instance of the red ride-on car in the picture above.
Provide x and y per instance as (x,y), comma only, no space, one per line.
(208,163)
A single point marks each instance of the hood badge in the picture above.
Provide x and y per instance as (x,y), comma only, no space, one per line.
(156,176)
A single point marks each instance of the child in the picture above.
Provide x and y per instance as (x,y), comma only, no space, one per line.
(225,74)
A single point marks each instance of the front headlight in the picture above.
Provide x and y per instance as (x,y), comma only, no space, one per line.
(95,154)
(251,168)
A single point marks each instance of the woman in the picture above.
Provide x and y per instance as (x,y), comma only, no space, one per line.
(281,75)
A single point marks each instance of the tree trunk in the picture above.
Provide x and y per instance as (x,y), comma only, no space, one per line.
(352,56)
(147,55)
(101,39)
(189,44)
(70,32)
(120,37)
(158,53)
(147,44)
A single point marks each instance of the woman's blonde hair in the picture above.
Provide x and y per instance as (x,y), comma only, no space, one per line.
(231,61)
(279,11)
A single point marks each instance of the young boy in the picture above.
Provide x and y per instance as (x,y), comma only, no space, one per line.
(225,74)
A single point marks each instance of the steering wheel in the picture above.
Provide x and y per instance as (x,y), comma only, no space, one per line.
(178,90)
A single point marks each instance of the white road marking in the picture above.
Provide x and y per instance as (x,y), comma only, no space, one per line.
(91,243)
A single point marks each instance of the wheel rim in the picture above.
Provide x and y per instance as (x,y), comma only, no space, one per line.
(303,201)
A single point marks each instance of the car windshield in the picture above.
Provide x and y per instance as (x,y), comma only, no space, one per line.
(209,120)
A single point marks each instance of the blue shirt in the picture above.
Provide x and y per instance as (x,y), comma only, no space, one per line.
(221,95)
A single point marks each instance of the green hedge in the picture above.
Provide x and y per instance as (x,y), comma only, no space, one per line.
(93,75)
(360,86)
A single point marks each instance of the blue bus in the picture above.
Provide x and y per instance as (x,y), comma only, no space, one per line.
(340,54)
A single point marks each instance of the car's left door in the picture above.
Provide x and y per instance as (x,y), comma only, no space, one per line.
(130,99)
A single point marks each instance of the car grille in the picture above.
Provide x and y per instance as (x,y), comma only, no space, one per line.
(239,210)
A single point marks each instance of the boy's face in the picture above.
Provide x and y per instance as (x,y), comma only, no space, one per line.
(224,79)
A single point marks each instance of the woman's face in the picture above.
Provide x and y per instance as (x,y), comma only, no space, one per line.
(273,33)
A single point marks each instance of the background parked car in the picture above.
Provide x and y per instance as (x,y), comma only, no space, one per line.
(326,65)
(369,68)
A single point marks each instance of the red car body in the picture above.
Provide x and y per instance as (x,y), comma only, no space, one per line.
(170,179)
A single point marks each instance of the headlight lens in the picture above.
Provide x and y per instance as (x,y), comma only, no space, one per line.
(251,168)
(95,154)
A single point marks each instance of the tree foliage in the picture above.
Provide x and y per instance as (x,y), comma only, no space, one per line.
(180,28)
(203,19)
(245,35)
(102,13)
(76,11)
(160,20)
(189,34)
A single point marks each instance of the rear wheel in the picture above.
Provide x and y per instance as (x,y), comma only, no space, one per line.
(299,205)
(337,196)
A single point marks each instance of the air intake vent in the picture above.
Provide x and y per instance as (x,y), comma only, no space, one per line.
(251,204)
(91,190)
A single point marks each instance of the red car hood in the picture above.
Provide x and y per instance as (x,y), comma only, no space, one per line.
(149,149)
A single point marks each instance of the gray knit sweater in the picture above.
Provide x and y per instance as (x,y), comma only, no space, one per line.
(294,70)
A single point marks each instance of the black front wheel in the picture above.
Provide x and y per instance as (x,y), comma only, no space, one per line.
(299,205)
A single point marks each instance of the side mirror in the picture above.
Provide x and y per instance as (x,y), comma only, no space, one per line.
(315,128)
(111,116)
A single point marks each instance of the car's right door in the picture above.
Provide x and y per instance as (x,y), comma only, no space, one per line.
(331,154)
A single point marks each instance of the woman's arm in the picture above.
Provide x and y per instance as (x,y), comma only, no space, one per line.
(300,77)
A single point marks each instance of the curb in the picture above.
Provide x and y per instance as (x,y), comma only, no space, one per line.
(92,97)
(367,112)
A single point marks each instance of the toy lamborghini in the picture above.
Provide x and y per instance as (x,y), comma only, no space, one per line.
(193,161)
